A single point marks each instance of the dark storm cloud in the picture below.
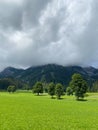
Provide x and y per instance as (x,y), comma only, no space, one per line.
(36,32)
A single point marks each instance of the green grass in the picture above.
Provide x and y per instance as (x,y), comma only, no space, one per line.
(24,111)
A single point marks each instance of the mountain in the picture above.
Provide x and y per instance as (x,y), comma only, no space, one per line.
(10,72)
(50,73)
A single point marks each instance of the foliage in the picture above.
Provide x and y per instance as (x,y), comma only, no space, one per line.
(51,89)
(26,87)
(38,88)
(45,87)
(78,85)
(69,91)
(5,82)
(95,87)
(59,90)
(11,89)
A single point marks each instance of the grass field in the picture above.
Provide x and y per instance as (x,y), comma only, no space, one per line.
(24,111)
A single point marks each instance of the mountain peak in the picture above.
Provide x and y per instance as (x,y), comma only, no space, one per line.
(10,72)
(50,73)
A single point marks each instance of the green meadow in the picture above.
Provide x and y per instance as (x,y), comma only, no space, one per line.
(25,111)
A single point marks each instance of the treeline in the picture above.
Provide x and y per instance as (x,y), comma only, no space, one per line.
(4,83)
(77,86)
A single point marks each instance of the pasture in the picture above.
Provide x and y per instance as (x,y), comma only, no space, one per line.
(25,111)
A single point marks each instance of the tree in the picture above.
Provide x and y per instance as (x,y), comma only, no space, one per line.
(38,88)
(26,87)
(45,87)
(95,87)
(78,85)
(51,89)
(69,91)
(59,90)
(11,89)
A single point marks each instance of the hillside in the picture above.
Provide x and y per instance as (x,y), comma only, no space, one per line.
(50,73)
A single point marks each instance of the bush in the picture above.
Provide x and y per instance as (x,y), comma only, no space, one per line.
(11,89)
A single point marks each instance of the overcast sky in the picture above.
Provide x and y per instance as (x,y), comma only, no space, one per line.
(37,32)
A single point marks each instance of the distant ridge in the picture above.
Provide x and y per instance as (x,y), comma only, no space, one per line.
(50,73)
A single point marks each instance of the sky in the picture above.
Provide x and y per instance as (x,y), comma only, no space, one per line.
(38,32)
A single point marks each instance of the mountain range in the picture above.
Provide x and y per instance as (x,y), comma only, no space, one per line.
(50,73)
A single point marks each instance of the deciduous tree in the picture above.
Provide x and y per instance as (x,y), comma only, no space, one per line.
(51,89)
(59,90)
(78,85)
(38,88)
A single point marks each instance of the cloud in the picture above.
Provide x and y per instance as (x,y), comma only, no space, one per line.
(34,32)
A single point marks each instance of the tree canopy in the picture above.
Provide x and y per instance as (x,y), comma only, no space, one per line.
(51,89)
(11,88)
(59,90)
(38,88)
(78,86)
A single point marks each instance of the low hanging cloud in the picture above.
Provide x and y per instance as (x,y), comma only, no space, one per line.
(37,32)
